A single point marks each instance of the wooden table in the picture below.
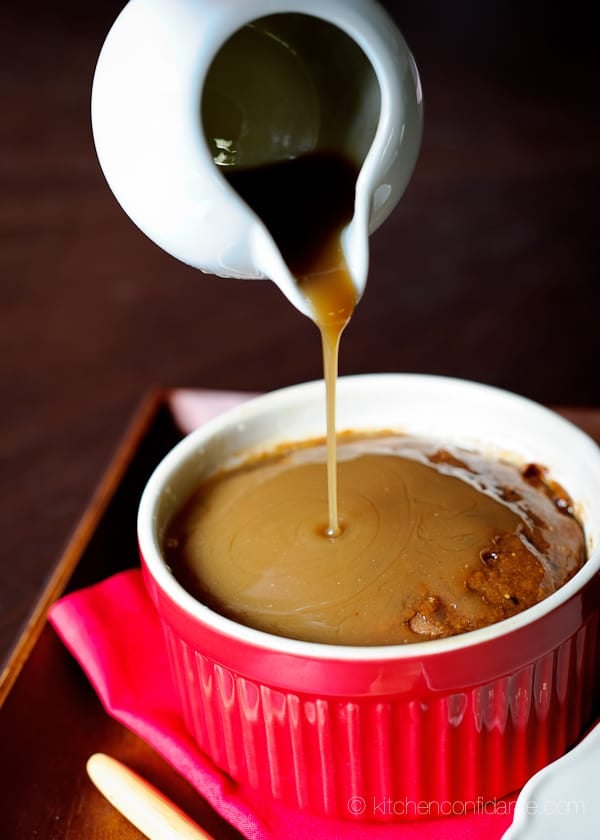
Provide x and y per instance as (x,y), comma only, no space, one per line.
(486,270)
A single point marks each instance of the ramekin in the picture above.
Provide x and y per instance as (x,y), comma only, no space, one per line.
(402,731)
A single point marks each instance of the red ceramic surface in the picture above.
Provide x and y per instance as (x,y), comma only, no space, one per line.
(397,732)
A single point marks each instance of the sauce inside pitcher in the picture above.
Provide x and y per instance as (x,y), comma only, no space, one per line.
(281,110)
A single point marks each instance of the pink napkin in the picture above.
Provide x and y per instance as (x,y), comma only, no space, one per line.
(130,673)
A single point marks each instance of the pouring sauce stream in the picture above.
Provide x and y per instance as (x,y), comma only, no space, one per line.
(305,204)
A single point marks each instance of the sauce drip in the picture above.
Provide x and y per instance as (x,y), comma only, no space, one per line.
(305,203)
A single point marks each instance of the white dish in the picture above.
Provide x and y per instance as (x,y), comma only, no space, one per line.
(562,800)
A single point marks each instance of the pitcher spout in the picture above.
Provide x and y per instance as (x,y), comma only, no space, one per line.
(355,84)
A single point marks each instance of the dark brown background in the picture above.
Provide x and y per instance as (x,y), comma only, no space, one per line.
(487,269)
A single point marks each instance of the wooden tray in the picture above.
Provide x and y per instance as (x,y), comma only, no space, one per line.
(50,718)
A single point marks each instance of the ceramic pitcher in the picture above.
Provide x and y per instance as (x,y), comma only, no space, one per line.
(185,87)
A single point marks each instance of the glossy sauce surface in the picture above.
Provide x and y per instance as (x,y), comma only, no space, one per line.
(433,543)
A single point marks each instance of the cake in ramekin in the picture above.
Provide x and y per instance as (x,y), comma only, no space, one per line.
(322,726)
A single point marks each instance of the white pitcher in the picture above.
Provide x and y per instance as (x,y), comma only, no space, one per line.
(184,86)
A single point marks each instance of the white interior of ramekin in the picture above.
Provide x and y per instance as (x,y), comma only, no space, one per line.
(452,410)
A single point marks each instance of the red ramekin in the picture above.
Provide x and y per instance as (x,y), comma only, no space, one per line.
(396,732)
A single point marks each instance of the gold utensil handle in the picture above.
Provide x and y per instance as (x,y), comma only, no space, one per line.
(141,803)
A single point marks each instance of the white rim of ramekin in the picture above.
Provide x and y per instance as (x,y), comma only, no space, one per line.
(163,577)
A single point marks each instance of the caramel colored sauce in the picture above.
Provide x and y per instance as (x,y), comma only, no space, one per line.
(417,542)
(305,203)
(434,543)
(333,297)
